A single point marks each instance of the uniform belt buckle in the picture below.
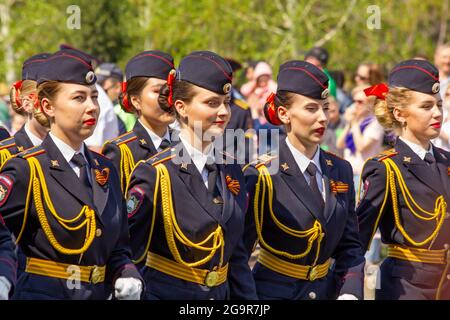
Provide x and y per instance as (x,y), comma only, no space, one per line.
(313,273)
(95,275)
(212,278)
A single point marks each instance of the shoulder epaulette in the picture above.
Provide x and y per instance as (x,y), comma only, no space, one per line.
(262,160)
(7,143)
(333,154)
(32,152)
(99,154)
(385,154)
(125,138)
(241,104)
(161,157)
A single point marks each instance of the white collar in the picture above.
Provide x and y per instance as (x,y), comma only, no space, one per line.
(418,149)
(36,141)
(67,151)
(155,138)
(302,160)
(199,158)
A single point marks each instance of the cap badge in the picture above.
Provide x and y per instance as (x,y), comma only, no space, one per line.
(325,93)
(226,87)
(90,76)
(436,87)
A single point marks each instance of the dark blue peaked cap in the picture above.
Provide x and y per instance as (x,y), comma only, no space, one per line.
(303,78)
(151,64)
(30,67)
(64,66)
(206,69)
(416,75)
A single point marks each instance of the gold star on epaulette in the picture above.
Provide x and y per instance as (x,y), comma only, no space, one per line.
(184,165)
(329,162)
(406,159)
(20,148)
(285,166)
(55,163)
(142,141)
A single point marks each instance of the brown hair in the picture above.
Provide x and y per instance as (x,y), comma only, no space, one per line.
(134,88)
(384,109)
(27,87)
(181,90)
(49,90)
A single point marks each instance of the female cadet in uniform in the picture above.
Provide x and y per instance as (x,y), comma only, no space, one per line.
(145,73)
(406,190)
(301,212)
(186,213)
(63,202)
(23,95)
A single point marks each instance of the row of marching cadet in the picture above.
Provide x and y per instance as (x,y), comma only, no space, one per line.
(166,213)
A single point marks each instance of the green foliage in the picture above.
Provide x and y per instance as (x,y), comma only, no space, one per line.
(273,30)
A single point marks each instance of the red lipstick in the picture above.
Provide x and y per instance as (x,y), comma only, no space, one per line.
(90,122)
(436,125)
(320,131)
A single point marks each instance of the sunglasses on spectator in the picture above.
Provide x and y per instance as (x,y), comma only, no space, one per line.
(361,77)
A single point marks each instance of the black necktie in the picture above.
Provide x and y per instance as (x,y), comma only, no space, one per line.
(212,177)
(431,161)
(81,163)
(312,170)
(164,144)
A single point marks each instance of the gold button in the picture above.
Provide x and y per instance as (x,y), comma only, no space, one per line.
(95,275)
(313,273)
(312,295)
(211,278)
(98,232)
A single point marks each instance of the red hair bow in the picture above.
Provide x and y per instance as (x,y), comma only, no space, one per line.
(125,103)
(378,90)
(271,110)
(18,86)
(170,80)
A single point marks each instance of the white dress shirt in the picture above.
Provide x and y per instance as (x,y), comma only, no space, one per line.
(155,138)
(199,158)
(68,152)
(34,139)
(417,149)
(303,163)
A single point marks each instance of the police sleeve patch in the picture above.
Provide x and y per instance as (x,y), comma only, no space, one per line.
(134,201)
(5,188)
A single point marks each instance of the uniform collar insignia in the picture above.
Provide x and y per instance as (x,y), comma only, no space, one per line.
(329,162)
(55,163)
(407,159)
(285,166)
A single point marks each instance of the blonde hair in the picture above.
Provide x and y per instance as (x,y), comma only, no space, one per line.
(27,87)
(384,109)
(49,90)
